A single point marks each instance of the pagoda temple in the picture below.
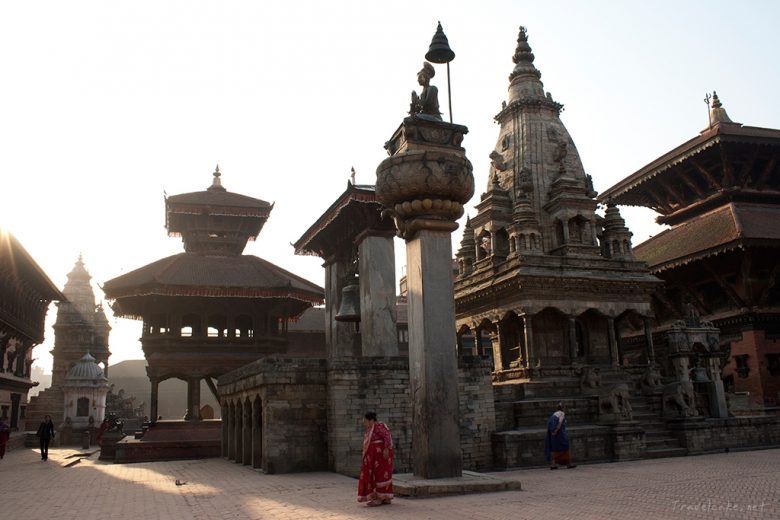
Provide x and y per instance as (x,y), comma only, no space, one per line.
(550,281)
(25,295)
(720,259)
(210,309)
(81,328)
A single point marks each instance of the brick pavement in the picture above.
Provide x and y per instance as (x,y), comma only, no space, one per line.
(711,486)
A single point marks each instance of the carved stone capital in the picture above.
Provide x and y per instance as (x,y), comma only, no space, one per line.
(427,178)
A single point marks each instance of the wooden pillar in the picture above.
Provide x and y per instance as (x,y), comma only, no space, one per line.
(153,401)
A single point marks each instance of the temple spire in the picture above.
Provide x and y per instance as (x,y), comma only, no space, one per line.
(216,184)
(525,79)
(718,113)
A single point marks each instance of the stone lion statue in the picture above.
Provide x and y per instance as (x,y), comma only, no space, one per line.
(679,400)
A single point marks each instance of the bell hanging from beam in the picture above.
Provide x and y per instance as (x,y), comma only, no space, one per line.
(439,50)
(349,310)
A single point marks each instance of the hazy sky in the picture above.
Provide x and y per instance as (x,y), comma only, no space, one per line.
(106,105)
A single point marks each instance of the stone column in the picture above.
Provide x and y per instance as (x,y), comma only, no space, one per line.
(495,343)
(231,435)
(572,339)
(257,433)
(238,432)
(614,351)
(528,339)
(718,407)
(433,361)
(225,431)
(247,441)
(378,330)
(153,401)
(649,340)
(424,184)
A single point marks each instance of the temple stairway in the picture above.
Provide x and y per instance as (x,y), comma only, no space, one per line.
(49,402)
(659,441)
(523,407)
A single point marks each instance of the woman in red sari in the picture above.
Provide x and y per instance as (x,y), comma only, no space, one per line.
(376,473)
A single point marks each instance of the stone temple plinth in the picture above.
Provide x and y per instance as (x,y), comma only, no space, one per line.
(424,184)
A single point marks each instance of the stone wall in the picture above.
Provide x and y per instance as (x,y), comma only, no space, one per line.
(312,412)
(293,411)
(382,385)
(732,433)
(356,385)
(477,412)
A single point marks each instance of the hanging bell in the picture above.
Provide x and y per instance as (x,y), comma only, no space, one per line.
(439,50)
(349,310)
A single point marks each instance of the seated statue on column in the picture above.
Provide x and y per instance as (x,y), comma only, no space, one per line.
(426,105)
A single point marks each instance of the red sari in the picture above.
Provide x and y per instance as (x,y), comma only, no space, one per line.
(376,472)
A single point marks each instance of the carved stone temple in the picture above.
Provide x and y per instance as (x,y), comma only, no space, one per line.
(211,309)
(539,271)
(81,328)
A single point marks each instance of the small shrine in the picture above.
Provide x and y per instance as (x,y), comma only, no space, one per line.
(85,389)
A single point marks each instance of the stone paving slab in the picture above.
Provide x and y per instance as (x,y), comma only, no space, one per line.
(720,486)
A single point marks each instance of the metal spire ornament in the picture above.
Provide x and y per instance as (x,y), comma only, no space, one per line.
(439,52)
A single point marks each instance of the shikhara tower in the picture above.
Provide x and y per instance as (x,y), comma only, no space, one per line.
(539,272)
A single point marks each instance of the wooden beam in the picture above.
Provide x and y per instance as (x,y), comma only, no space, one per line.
(765,173)
(728,169)
(771,283)
(730,292)
(703,309)
(671,191)
(707,175)
(661,296)
(690,183)
(659,202)
(744,173)
(745,269)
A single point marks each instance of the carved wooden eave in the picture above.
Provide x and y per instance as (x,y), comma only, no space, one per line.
(700,169)
(354,212)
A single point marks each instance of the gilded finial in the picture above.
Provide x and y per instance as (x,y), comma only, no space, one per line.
(216,184)
(523,51)
(718,113)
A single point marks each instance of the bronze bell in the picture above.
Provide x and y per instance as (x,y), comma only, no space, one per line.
(349,310)
(439,51)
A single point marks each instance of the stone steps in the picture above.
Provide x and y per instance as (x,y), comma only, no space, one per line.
(661,453)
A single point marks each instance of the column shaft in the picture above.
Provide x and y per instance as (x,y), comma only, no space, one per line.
(432,356)
(377,296)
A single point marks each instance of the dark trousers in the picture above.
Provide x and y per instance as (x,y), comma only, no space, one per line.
(44,448)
